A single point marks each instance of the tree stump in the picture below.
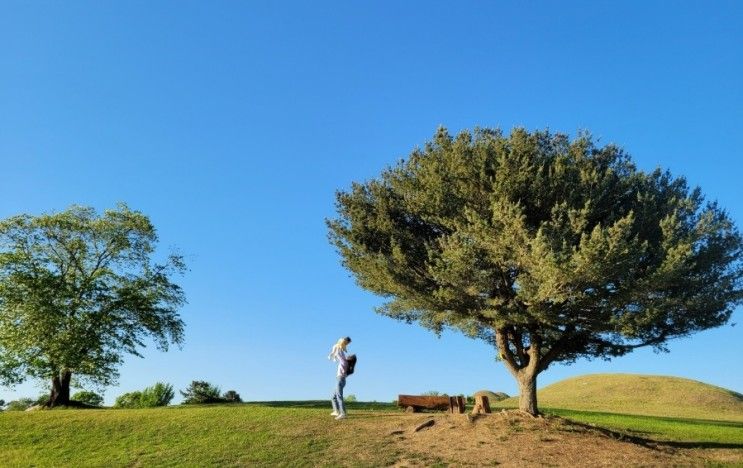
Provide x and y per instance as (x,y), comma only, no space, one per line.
(456,405)
(482,405)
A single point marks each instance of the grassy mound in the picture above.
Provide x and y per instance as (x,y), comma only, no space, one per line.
(642,395)
(492,396)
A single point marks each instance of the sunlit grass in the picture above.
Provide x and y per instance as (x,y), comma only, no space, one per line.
(266,434)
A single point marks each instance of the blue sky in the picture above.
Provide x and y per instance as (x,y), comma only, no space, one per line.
(231,124)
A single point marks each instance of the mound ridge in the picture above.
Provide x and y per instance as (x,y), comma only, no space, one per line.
(652,395)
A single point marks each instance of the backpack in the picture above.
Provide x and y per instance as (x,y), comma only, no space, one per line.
(351,364)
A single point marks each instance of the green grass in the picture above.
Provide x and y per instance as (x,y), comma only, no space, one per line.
(649,395)
(279,433)
(269,434)
(683,432)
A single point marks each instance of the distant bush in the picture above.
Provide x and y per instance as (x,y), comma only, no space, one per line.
(351,398)
(200,392)
(129,400)
(434,393)
(89,398)
(42,399)
(232,396)
(160,394)
(21,404)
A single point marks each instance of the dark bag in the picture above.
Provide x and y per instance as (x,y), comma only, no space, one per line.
(351,364)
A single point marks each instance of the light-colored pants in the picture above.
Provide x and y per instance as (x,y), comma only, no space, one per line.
(337,399)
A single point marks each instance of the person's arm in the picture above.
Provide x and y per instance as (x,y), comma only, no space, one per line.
(343,363)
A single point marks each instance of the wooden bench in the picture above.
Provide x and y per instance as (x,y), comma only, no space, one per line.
(415,403)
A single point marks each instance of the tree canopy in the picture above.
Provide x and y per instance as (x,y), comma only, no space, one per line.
(78,291)
(548,248)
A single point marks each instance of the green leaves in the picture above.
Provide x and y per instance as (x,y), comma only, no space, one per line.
(79,289)
(558,241)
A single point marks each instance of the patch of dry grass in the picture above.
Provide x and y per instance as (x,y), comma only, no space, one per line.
(514,439)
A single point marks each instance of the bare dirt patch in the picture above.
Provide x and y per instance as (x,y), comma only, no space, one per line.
(511,438)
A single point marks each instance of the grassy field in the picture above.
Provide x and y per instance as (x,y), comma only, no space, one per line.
(650,395)
(303,434)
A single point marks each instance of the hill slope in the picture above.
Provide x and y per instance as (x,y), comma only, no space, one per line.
(641,394)
(304,434)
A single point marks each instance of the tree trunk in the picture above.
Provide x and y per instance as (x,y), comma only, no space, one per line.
(528,392)
(523,362)
(60,395)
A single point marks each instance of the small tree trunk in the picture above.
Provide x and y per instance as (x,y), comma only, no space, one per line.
(528,393)
(60,395)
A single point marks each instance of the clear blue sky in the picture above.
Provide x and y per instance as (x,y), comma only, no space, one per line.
(231,124)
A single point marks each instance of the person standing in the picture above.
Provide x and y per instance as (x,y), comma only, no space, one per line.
(345,368)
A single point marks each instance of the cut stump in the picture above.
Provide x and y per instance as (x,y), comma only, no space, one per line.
(456,404)
(482,405)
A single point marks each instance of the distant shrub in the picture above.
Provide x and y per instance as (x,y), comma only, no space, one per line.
(160,394)
(129,400)
(200,392)
(434,393)
(232,396)
(351,398)
(89,398)
(42,399)
(21,404)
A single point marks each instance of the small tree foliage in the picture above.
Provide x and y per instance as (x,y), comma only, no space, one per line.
(232,396)
(200,392)
(129,400)
(548,249)
(78,291)
(88,397)
(160,394)
(21,404)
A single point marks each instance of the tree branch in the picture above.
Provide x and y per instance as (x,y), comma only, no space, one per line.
(505,351)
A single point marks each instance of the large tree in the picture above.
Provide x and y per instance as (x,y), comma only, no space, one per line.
(549,249)
(78,291)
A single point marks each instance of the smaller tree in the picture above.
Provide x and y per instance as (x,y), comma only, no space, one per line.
(21,404)
(160,394)
(232,396)
(2,404)
(200,392)
(351,398)
(129,400)
(78,291)
(87,397)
